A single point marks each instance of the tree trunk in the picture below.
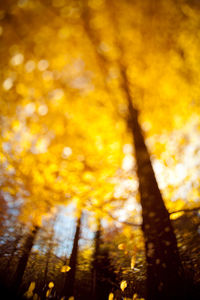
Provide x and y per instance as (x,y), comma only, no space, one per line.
(95,260)
(44,290)
(3,212)
(165,277)
(24,258)
(18,238)
(49,252)
(69,284)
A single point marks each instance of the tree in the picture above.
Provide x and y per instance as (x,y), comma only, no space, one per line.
(164,270)
(103,275)
(50,245)
(3,212)
(15,246)
(21,266)
(69,283)
(95,263)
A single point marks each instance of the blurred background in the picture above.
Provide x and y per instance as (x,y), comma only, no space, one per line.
(70,212)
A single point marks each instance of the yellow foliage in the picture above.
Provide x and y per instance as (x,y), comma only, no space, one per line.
(123,285)
(51,284)
(111,296)
(16,125)
(122,246)
(176,215)
(29,292)
(65,269)
(48,293)
(36,297)
(133,258)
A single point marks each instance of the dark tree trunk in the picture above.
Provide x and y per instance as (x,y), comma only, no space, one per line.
(3,212)
(47,266)
(103,272)
(24,258)
(69,284)
(96,260)
(50,244)
(18,238)
(43,285)
(165,277)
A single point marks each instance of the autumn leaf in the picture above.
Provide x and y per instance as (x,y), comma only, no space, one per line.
(122,246)
(123,285)
(111,296)
(132,262)
(29,292)
(65,269)
(51,284)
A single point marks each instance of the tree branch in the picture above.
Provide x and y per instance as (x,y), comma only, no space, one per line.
(123,222)
(185,210)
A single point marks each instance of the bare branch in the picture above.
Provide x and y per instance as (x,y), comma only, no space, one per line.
(185,210)
(123,222)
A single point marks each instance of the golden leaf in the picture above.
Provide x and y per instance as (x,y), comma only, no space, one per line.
(132,262)
(29,292)
(48,292)
(111,296)
(51,284)
(121,246)
(65,269)
(123,285)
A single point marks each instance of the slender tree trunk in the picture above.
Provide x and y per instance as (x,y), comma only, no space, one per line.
(45,274)
(3,212)
(69,284)
(47,266)
(24,258)
(164,269)
(95,261)
(18,238)
(50,244)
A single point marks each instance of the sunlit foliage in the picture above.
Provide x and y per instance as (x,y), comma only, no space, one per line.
(64,135)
